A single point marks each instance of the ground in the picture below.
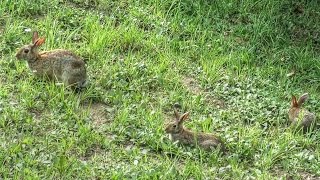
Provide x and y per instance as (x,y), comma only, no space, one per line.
(232,65)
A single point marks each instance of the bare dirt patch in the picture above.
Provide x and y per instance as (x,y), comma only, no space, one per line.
(302,175)
(36,114)
(214,101)
(99,113)
(194,87)
(91,152)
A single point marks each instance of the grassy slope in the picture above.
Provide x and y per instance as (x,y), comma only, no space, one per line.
(224,62)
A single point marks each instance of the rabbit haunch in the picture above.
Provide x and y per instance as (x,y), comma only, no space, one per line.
(61,65)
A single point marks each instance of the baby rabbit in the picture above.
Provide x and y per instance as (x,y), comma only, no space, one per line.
(61,65)
(299,116)
(185,136)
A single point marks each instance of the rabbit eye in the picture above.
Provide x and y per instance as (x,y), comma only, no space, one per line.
(26,51)
(174,126)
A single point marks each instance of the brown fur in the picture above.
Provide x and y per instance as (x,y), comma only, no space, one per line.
(77,64)
(300,116)
(185,136)
(60,65)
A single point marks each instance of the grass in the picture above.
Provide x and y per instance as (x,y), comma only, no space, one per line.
(224,61)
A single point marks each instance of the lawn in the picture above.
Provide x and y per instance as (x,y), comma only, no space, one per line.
(232,64)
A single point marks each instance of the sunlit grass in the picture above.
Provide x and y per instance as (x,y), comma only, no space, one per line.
(226,62)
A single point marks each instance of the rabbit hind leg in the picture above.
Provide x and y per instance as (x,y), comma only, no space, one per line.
(74,81)
(211,145)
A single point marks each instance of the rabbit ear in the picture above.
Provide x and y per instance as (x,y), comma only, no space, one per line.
(35,37)
(302,99)
(176,114)
(39,42)
(294,101)
(183,117)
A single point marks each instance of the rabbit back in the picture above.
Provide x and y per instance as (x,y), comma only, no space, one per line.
(204,140)
(212,144)
(210,141)
(302,118)
(61,65)
(185,137)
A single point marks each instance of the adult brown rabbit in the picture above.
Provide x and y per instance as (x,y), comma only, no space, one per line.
(185,136)
(300,116)
(59,64)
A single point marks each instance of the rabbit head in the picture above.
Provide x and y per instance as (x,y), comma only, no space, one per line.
(30,52)
(299,115)
(176,126)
